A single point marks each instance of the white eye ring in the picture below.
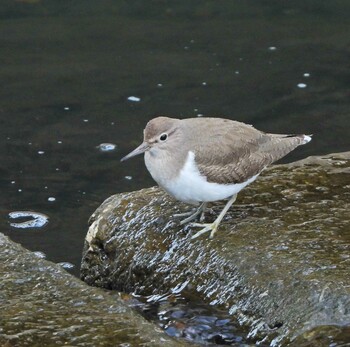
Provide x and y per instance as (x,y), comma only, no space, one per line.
(163,137)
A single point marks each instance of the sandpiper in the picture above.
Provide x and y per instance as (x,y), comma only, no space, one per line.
(198,160)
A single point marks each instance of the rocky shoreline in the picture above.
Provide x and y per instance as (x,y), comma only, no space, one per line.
(279,263)
(43,305)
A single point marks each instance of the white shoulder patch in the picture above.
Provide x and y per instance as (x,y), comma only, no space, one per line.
(190,186)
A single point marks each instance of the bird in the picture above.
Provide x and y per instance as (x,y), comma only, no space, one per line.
(206,159)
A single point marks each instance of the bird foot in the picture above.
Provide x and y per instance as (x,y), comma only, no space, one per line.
(207,227)
(191,215)
(184,214)
(213,226)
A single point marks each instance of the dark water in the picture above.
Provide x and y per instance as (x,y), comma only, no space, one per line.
(68,68)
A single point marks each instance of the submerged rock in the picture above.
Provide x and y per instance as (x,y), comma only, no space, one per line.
(43,305)
(279,263)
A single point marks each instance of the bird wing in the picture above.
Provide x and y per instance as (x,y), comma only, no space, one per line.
(235,152)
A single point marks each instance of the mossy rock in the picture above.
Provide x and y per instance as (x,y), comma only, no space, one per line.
(43,305)
(279,262)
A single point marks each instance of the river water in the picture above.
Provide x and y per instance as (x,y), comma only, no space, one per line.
(75,75)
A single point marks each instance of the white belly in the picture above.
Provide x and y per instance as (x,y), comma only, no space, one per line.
(191,187)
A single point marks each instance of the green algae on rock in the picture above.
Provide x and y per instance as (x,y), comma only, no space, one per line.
(43,305)
(279,262)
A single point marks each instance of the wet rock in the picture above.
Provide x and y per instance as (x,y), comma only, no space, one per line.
(279,263)
(43,305)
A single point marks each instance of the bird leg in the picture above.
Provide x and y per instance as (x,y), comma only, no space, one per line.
(213,226)
(192,215)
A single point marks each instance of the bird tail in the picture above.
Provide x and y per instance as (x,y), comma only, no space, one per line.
(306,139)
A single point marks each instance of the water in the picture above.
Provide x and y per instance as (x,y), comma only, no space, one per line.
(81,74)
(185,317)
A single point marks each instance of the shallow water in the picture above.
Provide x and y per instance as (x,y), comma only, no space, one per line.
(184,316)
(75,76)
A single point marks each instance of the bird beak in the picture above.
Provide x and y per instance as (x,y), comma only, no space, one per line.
(139,150)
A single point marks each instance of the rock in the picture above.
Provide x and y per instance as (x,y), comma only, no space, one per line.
(43,305)
(279,263)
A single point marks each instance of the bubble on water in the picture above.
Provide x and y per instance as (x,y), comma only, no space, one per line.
(85,120)
(128,178)
(199,115)
(41,152)
(106,147)
(272,48)
(19,190)
(134,98)
(204,83)
(13,182)
(37,219)
(51,198)
(301,85)
(66,108)
(306,74)
(59,142)
(237,72)
(160,85)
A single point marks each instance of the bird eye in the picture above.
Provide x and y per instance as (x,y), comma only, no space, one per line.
(163,137)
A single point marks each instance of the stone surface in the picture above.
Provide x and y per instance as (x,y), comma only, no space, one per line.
(279,262)
(43,305)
